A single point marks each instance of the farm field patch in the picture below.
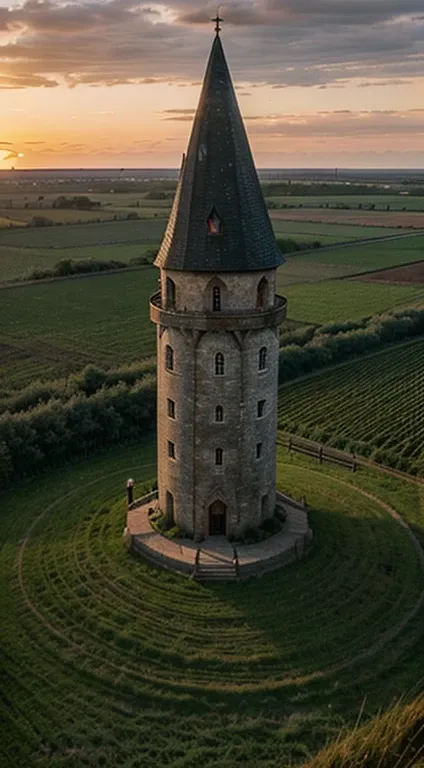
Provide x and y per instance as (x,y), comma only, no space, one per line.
(61,216)
(322,302)
(349,260)
(327,233)
(371,406)
(19,263)
(52,329)
(107,233)
(158,668)
(411,273)
(396,202)
(397,219)
(27,249)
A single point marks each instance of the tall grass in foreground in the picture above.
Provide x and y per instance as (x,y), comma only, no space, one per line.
(394,739)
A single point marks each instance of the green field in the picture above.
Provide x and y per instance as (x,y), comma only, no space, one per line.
(325,264)
(61,216)
(24,250)
(106,233)
(106,661)
(372,406)
(18,263)
(396,202)
(50,330)
(318,303)
(328,234)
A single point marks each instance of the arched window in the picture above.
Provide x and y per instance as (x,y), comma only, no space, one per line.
(216,298)
(169,358)
(219,455)
(219,413)
(170,293)
(262,294)
(262,358)
(219,364)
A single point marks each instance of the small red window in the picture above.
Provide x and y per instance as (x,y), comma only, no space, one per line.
(214,223)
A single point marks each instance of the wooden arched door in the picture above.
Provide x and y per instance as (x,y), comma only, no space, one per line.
(217,518)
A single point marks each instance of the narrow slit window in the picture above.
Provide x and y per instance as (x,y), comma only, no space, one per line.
(171,449)
(219,364)
(219,413)
(258,450)
(261,408)
(214,223)
(216,299)
(169,505)
(171,408)
(219,457)
(262,358)
(169,358)
(170,293)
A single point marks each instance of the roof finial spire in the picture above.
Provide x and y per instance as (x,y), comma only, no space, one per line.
(217,21)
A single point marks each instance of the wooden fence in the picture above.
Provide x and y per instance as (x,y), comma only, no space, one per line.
(323,453)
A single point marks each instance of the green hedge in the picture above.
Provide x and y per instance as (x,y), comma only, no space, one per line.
(49,423)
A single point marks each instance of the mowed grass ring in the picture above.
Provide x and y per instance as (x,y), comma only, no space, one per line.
(94,630)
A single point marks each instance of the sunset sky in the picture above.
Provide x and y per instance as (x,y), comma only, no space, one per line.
(114,84)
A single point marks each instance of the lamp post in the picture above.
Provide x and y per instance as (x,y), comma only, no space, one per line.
(130,490)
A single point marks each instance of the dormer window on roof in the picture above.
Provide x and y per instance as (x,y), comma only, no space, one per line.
(214,223)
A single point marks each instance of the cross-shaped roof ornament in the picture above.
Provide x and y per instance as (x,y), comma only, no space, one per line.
(217,21)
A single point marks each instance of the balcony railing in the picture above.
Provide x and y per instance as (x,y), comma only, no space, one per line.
(216,321)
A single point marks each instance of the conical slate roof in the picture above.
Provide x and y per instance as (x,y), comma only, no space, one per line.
(218,189)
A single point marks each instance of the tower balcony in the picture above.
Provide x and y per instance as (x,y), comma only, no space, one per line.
(218,321)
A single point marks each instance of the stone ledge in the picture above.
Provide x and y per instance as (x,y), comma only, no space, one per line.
(218,321)
(185,556)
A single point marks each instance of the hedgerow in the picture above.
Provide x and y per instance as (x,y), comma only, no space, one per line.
(54,432)
(49,423)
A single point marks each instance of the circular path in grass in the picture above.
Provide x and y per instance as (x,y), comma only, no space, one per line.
(97,642)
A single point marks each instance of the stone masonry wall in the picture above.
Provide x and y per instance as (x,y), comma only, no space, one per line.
(193,477)
(238,289)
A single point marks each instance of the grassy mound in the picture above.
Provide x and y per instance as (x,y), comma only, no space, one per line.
(110,662)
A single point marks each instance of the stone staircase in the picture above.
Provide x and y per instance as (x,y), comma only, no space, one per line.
(216,565)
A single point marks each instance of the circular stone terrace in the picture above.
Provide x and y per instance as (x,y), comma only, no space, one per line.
(216,558)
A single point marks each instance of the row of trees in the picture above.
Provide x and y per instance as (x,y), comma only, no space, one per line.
(50,423)
(309,349)
(68,267)
(55,432)
(86,383)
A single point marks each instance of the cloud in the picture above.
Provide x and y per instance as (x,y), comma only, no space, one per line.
(189,111)
(341,124)
(283,43)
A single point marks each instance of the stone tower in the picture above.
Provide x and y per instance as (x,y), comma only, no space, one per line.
(217,317)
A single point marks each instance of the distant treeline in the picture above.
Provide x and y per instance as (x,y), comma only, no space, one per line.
(298,189)
(51,423)
(288,245)
(67,267)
